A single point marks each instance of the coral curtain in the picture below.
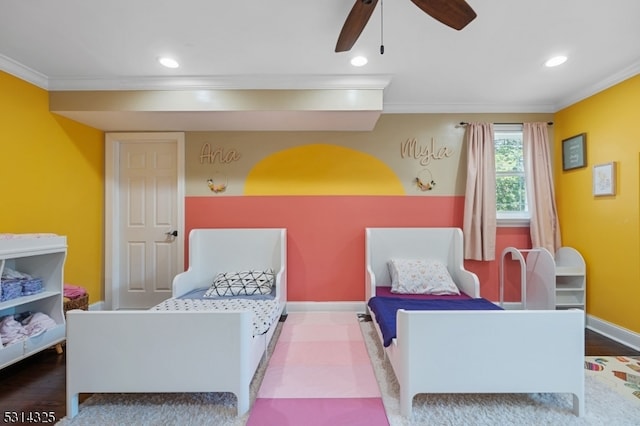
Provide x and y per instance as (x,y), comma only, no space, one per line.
(544,224)
(479,225)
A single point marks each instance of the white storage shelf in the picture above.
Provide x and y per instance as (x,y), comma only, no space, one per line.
(41,257)
(571,279)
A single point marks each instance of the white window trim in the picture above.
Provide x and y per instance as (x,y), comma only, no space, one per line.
(508,220)
(511,219)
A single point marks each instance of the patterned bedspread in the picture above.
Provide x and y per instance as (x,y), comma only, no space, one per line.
(265,312)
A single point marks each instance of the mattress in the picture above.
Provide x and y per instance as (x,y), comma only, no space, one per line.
(265,312)
(383,291)
(386,308)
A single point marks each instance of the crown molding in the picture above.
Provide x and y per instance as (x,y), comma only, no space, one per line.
(228,82)
(445,108)
(620,76)
(23,72)
(417,108)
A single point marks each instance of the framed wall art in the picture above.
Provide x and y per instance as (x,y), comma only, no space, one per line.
(574,152)
(604,179)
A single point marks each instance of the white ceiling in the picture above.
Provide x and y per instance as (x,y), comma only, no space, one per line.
(495,64)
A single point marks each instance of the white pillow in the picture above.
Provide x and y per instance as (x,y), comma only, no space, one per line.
(420,276)
(244,283)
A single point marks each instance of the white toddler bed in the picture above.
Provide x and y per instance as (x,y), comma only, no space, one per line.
(472,351)
(197,350)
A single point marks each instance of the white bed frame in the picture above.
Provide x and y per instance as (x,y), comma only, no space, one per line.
(522,351)
(179,351)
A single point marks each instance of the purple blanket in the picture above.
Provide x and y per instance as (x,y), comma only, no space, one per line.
(385,309)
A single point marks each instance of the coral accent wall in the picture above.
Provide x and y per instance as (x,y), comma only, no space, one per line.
(326,235)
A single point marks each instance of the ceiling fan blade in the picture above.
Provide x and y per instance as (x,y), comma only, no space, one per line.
(453,13)
(355,23)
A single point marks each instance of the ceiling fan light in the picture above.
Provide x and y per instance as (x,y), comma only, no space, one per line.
(168,62)
(555,61)
(359,61)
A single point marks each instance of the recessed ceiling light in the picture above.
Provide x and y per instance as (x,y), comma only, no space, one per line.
(555,61)
(169,62)
(359,61)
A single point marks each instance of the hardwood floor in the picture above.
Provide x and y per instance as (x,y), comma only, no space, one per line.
(37,384)
(597,344)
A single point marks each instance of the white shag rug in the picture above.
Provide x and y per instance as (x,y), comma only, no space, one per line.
(603,405)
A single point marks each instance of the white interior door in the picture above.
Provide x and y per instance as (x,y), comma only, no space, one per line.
(145,196)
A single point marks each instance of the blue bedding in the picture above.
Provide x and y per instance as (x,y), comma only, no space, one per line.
(385,309)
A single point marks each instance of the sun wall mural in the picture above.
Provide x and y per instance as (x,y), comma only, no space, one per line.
(322,169)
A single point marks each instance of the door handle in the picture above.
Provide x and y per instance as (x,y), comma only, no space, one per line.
(173,233)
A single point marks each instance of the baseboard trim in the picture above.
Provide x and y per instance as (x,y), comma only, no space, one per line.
(325,307)
(97,306)
(614,332)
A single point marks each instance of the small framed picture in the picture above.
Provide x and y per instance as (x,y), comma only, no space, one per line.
(574,154)
(604,179)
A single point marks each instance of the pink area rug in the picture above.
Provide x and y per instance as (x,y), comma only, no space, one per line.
(319,374)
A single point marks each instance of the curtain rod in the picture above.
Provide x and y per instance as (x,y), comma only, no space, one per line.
(464,123)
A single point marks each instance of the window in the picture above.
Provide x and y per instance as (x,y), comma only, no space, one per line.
(511,194)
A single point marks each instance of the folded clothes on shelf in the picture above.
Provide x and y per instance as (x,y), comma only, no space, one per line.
(19,327)
(14,284)
(10,289)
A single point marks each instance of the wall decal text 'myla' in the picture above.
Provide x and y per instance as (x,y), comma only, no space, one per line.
(424,153)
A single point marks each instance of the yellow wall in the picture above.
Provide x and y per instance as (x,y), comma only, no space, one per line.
(605,229)
(52,178)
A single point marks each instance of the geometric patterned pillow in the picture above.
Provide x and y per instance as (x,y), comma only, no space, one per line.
(420,276)
(245,283)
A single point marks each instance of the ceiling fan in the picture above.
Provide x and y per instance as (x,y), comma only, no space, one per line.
(453,13)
